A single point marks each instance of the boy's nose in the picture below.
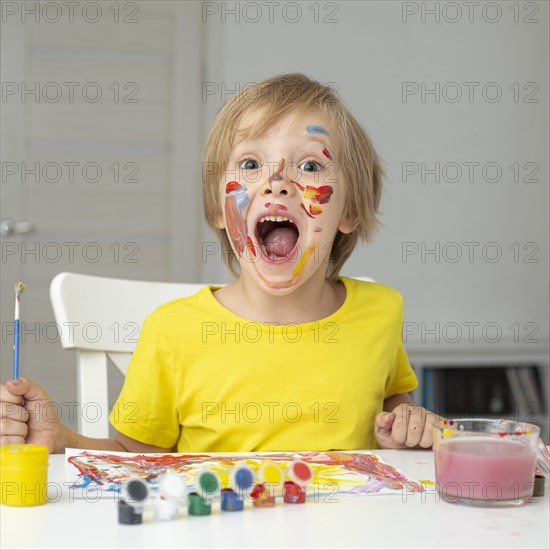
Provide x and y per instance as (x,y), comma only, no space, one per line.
(277,183)
(278,187)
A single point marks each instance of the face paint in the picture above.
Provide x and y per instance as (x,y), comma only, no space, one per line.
(304,209)
(319,195)
(315,210)
(277,175)
(327,154)
(235,189)
(250,245)
(317,130)
(303,260)
(236,201)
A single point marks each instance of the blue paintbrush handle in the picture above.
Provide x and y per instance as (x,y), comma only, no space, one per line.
(16,350)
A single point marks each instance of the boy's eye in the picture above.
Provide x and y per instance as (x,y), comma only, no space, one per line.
(310,166)
(249,164)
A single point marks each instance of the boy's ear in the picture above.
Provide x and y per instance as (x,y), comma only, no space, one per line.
(347,225)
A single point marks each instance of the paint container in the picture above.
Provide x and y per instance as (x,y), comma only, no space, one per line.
(262,497)
(173,490)
(134,495)
(127,515)
(538,486)
(301,475)
(231,501)
(24,475)
(197,506)
(293,493)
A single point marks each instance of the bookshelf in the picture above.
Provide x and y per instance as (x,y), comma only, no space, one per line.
(484,383)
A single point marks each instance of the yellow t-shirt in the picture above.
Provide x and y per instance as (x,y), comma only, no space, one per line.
(203,379)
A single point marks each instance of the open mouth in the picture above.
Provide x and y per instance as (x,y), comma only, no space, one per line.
(277,237)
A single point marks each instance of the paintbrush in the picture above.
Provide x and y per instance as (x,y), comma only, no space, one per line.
(19,289)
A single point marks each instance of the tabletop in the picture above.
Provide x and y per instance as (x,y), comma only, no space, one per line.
(401,520)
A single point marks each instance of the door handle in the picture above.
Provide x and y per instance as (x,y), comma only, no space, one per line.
(9,228)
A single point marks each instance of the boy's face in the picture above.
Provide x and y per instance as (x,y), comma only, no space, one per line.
(283,200)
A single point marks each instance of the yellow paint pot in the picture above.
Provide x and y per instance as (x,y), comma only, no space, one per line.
(23,475)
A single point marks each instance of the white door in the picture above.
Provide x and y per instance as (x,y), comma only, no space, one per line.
(100,155)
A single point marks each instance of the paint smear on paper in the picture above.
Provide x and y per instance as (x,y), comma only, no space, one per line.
(334,472)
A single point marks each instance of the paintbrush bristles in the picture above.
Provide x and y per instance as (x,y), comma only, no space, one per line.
(20,288)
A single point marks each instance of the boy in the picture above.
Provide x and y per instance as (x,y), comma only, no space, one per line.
(289,356)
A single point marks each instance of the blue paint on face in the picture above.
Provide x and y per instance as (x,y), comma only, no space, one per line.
(317,130)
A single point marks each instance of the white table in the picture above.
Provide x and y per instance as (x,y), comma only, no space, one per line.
(392,521)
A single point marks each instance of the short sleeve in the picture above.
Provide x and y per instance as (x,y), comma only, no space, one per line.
(403,378)
(145,409)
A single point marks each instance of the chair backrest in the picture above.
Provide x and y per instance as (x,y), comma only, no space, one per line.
(101,318)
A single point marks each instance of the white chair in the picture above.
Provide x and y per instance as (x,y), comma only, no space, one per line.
(100,318)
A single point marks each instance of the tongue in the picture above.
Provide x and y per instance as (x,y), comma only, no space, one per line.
(280,241)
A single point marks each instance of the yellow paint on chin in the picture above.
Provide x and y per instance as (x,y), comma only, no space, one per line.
(305,257)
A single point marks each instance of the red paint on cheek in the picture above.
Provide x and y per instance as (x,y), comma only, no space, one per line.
(315,210)
(304,209)
(300,187)
(320,194)
(251,246)
(317,230)
(232,186)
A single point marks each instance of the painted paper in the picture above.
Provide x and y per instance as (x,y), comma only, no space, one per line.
(334,472)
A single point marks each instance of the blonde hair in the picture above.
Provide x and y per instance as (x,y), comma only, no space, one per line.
(274,98)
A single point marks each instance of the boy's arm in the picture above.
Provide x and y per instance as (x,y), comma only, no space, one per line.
(395,400)
(71,439)
(25,417)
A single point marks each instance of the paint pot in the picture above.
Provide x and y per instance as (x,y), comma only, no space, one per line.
(127,515)
(293,493)
(164,509)
(24,475)
(197,506)
(231,501)
(262,497)
(173,490)
(134,495)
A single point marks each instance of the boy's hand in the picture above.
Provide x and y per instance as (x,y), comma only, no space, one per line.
(407,426)
(27,415)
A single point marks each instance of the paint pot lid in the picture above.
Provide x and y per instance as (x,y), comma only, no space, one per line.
(172,485)
(207,483)
(300,472)
(241,478)
(24,456)
(135,490)
(269,473)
